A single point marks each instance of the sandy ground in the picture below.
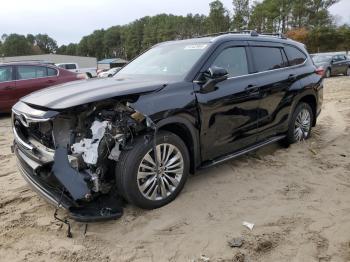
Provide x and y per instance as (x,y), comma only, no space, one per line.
(298,198)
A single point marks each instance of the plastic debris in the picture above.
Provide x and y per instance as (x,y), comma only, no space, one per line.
(204,258)
(248,225)
(236,242)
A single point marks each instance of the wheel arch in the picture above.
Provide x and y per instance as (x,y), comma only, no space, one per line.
(188,133)
(311,100)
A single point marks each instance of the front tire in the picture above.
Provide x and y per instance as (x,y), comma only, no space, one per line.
(300,124)
(328,73)
(136,176)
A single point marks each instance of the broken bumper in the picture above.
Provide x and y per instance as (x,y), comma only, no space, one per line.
(27,167)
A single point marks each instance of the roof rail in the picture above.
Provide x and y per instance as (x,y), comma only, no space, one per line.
(251,32)
(280,35)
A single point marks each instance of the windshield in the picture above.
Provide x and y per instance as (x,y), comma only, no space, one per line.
(172,60)
(322,59)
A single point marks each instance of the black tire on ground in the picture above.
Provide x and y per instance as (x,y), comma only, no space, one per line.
(328,73)
(89,75)
(290,138)
(128,165)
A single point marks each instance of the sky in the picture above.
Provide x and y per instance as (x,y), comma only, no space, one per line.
(69,20)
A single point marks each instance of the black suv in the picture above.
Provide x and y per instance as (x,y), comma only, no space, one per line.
(179,107)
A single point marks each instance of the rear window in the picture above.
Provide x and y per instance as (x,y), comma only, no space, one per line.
(6,74)
(295,56)
(51,72)
(31,72)
(267,58)
(71,66)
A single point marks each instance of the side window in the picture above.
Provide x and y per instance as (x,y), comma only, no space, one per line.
(51,72)
(6,73)
(295,56)
(31,72)
(234,60)
(71,66)
(267,58)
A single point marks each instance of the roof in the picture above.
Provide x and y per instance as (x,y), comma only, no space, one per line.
(112,61)
(32,63)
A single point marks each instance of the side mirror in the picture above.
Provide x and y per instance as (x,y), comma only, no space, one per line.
(213,76)
(217,73)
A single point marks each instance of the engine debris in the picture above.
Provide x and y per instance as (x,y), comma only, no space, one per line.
(88,147)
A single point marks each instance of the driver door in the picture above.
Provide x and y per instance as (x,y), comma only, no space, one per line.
(229,112)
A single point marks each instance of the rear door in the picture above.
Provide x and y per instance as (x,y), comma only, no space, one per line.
(229,112)
(7,88)
(31,78)
(343,65)
(337,65)
(275,77)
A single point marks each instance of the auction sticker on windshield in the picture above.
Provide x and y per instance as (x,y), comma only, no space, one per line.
(193,47)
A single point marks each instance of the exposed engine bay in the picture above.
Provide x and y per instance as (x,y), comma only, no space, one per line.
(95,139)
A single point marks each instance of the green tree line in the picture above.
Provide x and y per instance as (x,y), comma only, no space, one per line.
(308,21)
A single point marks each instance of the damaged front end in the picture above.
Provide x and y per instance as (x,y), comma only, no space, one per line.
(69,157)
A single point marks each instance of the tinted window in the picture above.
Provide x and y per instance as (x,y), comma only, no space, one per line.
(234,60)
(30,72)
(339,58)
(267,58)
(71,66)
(295,56)
(51,72)
(5,74)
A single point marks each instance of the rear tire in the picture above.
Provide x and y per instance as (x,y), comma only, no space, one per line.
(300,124)
(136,176)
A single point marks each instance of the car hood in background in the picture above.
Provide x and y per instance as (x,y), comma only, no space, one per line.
(81,92)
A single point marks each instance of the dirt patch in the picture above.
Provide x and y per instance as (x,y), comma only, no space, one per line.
(297,197)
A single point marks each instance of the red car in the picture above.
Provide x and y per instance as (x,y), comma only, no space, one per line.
(20,79)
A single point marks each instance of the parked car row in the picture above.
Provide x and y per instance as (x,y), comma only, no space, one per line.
(332,64)
(20,79)
(74,67)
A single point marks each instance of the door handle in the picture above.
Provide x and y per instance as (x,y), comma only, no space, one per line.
(252,89)
(9,88)
(51,81)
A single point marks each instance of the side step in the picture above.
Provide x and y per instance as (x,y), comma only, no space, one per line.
(242,152)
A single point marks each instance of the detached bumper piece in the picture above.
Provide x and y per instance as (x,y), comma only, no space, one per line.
(66,187)
(106,207)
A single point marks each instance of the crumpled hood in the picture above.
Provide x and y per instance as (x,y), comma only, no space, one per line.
(86,91)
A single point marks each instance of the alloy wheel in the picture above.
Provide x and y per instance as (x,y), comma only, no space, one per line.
(158,185)
(302,125)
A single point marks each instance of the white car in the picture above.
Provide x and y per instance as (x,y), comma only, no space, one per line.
(111,72)
(73,67)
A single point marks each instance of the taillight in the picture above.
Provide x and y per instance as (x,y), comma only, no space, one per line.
(82,76)
(320,71)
